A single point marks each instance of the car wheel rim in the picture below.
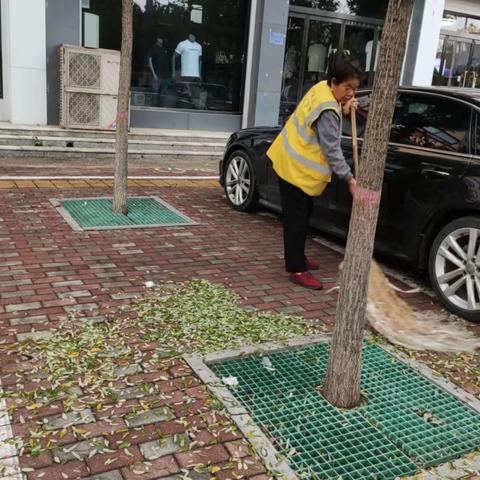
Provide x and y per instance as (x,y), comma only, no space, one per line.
(457,268)
(238,180)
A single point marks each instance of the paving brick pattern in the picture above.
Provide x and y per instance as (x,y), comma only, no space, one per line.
(48,271)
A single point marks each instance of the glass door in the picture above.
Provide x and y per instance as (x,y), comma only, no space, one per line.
(361,48)
(292,66)
(314,43)
(322,47)
(457,63)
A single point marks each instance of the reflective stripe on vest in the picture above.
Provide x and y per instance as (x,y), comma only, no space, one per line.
(303,129)
(324,170)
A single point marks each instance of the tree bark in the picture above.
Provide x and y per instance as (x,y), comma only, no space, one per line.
(342,383)
(121,143)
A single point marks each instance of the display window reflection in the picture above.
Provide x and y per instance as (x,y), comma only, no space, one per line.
(186,54)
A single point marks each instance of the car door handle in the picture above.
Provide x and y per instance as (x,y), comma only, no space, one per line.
(431,171)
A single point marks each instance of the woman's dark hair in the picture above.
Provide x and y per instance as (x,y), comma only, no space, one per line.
(343,71)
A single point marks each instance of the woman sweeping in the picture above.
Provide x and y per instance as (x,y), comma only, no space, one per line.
(304,155)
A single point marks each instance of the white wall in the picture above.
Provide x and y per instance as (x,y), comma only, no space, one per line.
(24,73)
(468,7)
(428,42)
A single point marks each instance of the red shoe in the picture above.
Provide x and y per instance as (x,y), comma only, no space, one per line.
(311,265)
(306,279)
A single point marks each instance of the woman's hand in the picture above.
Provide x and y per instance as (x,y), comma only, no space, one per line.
(347,108)
(352,185)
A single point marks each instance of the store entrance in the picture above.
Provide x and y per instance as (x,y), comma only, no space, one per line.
(314,43)
(458,62)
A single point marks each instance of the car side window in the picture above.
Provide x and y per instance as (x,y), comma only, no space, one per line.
(431,121)
(364,102)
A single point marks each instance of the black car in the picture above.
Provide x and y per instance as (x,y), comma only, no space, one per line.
(430,207)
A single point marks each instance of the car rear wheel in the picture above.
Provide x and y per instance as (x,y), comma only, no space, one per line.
(239,182)
(454,267)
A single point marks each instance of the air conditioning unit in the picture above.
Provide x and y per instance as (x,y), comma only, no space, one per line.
(88,87)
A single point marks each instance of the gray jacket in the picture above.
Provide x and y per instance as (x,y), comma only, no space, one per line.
(329,136)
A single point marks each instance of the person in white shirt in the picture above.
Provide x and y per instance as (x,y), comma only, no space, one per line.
(190,53)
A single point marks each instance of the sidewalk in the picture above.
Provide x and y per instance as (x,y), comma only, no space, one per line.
(49,272)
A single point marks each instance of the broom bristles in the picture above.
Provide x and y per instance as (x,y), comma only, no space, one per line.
(399,323)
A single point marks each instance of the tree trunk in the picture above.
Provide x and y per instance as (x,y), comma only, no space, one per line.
(121,144)
(342,383)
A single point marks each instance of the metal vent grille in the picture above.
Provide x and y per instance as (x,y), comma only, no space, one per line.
(83,109)
(84,70)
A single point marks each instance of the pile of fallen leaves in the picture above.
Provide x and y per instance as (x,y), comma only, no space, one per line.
(202,317)
(196,317)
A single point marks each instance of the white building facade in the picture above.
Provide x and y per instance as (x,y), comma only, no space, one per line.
(224,65)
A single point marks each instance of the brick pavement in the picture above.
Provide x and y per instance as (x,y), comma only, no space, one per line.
(48,271)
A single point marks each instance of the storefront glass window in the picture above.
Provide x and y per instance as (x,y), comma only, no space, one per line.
(187,54)
(364,8)
(460,24)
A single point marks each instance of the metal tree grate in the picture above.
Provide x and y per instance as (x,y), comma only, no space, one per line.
(406,423)
(96,213)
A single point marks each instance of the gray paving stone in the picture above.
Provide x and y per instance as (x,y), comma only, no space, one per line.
(19,293)
(152,416)
(109,274)
(191,474)
(291,310)
(273,298)
(16,283)
(60,273)
(35,336)
(124,296)
(10,469)
(56,422)
(165,446)
(75,294)
(20,307)
(113,475)
(79,450)
(130,370)
(12,273)
(257,288)
(81,307)
(102,265)
(28,320)
(67,283)
(8,255)
(116,284)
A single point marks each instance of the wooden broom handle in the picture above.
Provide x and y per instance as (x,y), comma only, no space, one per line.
(353,114)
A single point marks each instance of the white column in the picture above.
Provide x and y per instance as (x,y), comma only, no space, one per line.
(428,38)
(25,69)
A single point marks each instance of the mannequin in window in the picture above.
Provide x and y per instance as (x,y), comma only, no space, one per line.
(158,66)
(190,53)
(317,54)
(291,62)
(368,53)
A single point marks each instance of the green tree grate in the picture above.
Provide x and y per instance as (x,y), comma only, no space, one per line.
(96,213)
(407,423)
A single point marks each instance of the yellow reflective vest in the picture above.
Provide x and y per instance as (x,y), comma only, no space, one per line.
(296,153)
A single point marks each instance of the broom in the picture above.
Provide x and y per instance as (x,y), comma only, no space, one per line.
(393,318)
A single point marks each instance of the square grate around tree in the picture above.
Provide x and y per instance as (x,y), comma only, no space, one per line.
(407,422)
(97,214)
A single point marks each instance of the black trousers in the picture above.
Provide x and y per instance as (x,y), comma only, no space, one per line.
(296,207)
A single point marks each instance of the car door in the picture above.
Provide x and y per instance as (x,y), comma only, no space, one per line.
(428,154)
(430,150)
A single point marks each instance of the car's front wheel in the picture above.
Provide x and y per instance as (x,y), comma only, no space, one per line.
(239,182)
(454,267)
